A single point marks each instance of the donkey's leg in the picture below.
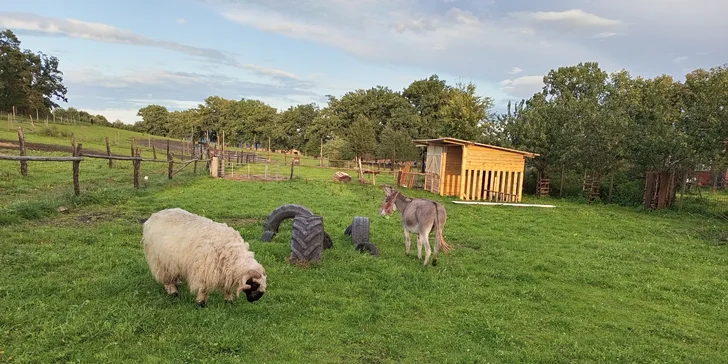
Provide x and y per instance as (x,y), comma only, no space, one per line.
(407,241)
(425,238)
(419,245)
(437,250)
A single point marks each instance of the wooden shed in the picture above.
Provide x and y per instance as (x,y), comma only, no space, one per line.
(474,171)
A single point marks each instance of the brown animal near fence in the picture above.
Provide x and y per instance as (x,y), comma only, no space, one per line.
(420,216)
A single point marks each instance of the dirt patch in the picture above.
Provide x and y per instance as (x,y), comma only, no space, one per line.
(4,143)
(75,218)
(256,177)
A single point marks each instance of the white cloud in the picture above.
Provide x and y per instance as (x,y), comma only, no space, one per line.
(182,21)
(455,41)
(74,28)
(680,59)
(126,116)
(605,35)
(573,17)
(515,71)
(522,87)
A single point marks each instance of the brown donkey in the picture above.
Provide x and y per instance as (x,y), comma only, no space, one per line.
(419,216)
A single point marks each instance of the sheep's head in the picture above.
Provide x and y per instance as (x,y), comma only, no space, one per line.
(254,284)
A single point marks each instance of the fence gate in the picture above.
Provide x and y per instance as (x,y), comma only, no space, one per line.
(432,169)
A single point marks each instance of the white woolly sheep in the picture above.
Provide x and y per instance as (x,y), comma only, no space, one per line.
(208,255)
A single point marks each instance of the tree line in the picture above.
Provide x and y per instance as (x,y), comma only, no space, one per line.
(583,119)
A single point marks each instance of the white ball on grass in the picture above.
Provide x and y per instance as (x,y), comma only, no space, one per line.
(146,178)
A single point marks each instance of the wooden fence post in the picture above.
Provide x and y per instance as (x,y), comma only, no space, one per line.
(132,147)
(171,162)
(76,164)
(136,164)
(21,144)
(291,178)
(108,151)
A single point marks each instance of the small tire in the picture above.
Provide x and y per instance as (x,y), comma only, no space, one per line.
(280,214)
(369,247)
(348,230)
(307,241)
(328,243)
(360,230)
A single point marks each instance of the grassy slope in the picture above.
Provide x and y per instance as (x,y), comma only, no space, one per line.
(573,284)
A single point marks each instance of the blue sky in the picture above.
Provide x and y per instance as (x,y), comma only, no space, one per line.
(120,56)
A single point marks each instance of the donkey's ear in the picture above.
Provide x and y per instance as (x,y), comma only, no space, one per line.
(387,189)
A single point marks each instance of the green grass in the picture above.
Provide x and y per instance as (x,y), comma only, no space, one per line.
(574,284)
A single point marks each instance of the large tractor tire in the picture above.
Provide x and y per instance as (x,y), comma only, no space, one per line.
(280,214)
(285,212)
(360,230)
(307,241)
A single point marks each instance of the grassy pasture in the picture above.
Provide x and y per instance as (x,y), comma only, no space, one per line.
(576,283)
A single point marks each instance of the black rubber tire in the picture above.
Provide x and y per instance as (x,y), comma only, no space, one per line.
(307,241)
(280,214)
(348,230)
(367,246)
(360,230)
(328,243)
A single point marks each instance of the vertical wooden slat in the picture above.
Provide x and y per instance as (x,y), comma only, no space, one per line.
(466,191)
(464,162)
(514,188)
(520,187)
(495,186)
(478,184)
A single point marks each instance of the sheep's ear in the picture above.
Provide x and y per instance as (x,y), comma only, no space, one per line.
(254,274)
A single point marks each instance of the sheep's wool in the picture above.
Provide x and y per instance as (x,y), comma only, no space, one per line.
(207,254)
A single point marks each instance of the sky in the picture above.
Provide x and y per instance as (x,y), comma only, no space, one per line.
(119,56)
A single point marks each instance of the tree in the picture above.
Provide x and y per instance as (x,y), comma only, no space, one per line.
(361,138)
(467,115)
(155,120)
(28,80)
(395,145)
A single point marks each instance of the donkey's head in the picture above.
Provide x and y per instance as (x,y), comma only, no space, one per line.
(388,206)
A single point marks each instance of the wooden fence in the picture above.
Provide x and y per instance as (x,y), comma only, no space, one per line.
(78,156)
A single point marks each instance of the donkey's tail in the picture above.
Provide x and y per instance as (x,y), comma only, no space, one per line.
(438,231)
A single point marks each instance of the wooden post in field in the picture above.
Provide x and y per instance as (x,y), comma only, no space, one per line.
(150,141)
(136,164)
(321,154)
(76,153)
(269,149)
(154,151)
(291,178)
(36,115)
(13,113)
(31,121)
(108,152)
(170,161)
(10,122)
(195,170)
(21,144)
(132,147)
(54,118)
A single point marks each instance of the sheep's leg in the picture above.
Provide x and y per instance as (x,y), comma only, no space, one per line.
(171,288)
(229,296)
(407,242)
(201,298)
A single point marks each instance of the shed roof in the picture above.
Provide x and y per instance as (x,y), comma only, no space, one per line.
(454,141)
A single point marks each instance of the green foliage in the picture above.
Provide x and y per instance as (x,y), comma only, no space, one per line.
(361,138)
(28,81)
